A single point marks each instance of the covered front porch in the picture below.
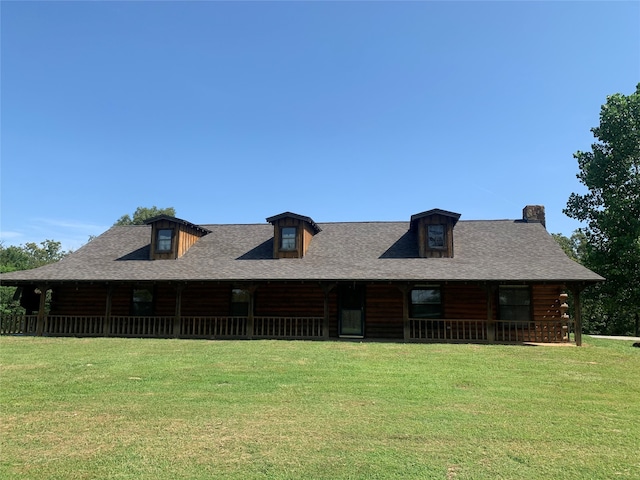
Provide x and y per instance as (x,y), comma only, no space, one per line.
(299,310)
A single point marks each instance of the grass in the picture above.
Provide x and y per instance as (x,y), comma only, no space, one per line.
(177,409)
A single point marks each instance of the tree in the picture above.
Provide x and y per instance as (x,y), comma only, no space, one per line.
(141,214)
(24,257)
(573,246)
(611,209)
(30,255)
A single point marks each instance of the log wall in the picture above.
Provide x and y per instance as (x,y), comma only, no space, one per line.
(545,301)
(164,300)
(79,300)
(208,299)
(121,299)
(464,301)
(289,300)
(383,312)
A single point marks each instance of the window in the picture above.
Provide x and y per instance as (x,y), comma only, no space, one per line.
(515,303)
(288,238)
(240,302)
(435,236)
(426,303)
(163,241)
(142,301)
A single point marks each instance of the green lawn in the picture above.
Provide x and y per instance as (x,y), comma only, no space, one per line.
(110,408)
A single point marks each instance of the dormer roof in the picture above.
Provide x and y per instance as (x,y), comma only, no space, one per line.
(178,221)
(312,224)
(292,234)
(434,211)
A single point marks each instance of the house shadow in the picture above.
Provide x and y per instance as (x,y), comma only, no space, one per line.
(142,253)
(405,247)
(264,251)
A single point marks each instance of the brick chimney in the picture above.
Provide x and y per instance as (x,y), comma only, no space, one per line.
(534,214)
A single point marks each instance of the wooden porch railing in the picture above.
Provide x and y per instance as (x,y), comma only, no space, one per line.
(142,326)
(162,327)
(287,327)
(434,329)
(550,331)
(18,324)
(70,324)
(213,327)
(481,330)
(277,327)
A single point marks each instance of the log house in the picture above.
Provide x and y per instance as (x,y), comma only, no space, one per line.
(434,278)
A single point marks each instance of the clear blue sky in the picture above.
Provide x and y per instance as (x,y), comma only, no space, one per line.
(232,112)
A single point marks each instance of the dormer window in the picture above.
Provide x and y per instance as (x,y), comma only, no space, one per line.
(434,232)
(292,234)
(171,237)
(435,236)
(163,242)
(288,237)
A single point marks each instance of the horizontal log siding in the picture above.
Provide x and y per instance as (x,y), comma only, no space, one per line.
(164,299)
(546,302)
(206,299)
(383,312)
(289,300)
(79,300)
(121,299)
(464,302)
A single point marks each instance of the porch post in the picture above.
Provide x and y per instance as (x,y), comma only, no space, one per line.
(578,316)
(250,317)
(41,310)
(325,321)
(406,327)
(106,328)
(177,319)
(491,324)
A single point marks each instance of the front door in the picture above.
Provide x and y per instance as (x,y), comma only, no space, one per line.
(351,311)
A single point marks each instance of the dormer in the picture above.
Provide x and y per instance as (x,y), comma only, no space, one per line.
(171,237)
(434,231)
(292,234)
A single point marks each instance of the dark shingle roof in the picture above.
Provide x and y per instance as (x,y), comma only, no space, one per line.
(500,250)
